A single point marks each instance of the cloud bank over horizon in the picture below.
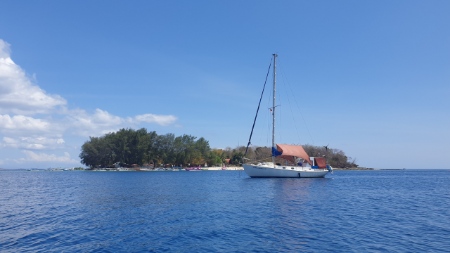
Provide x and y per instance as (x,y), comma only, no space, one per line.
(39,128)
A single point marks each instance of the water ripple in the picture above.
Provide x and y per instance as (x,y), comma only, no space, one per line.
(354,211)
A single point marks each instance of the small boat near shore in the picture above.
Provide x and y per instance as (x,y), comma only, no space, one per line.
(298,164)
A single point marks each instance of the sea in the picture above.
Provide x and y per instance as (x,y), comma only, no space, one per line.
(224,211)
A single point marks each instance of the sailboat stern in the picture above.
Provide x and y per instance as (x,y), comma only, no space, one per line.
(329,168)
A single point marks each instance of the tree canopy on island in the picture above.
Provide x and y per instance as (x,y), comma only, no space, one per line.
(128,147)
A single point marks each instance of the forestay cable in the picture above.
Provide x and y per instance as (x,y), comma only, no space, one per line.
(257,110)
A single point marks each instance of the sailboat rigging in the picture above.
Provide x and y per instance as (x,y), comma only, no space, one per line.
(298,163)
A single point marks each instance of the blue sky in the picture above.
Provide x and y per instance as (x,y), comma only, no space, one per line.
(371,78)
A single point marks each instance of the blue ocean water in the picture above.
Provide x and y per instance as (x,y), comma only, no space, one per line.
(224,211)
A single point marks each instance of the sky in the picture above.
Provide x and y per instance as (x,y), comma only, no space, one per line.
(370,78)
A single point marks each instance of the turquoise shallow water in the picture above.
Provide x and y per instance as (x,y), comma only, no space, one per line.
(224,211)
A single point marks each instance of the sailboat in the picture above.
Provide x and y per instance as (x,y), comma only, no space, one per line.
(298,164)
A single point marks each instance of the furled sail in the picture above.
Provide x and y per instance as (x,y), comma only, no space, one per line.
(289,151)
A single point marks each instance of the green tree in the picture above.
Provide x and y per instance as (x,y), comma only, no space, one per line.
(96,153)
(215,157)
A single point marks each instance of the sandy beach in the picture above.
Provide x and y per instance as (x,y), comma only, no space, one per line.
(223,168)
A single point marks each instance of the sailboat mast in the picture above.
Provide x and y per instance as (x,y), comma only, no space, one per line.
(273,105)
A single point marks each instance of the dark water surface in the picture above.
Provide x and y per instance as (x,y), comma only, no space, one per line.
(224,211)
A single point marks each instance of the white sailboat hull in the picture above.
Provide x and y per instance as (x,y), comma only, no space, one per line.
(268,170)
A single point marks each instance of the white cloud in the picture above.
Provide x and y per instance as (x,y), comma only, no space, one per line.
(4,49)
(162,120)
(31,119)
(23,123)
(32,142)
(18,95)
(44,157)
(9,142)
(101,122)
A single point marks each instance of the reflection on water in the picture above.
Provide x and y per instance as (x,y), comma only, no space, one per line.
(224,211)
